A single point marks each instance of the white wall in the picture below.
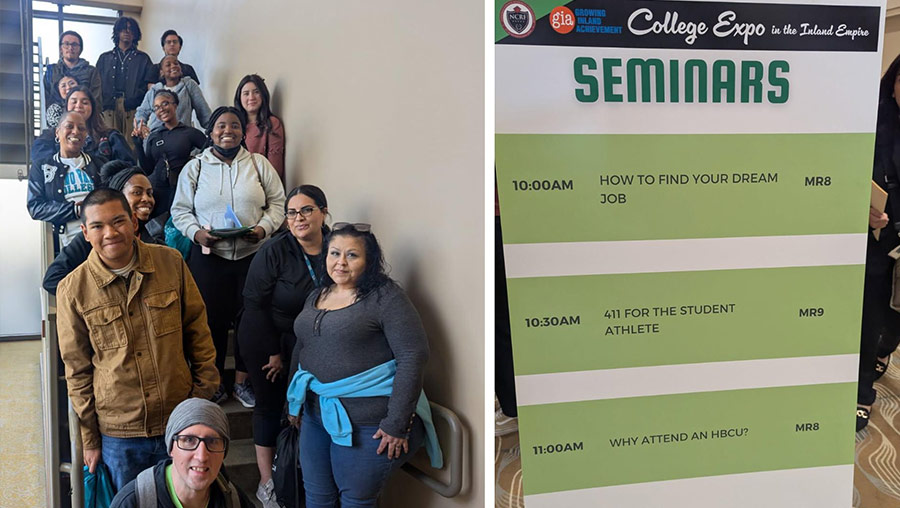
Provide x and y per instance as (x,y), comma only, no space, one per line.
(20,264)
(383,108)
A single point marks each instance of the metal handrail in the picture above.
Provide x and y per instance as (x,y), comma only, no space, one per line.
(76,467)
(49,379)
(453,455)
(41,69)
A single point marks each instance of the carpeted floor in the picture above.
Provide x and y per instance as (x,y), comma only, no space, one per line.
(877,478)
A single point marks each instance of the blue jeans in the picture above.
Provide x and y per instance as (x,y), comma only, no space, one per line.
(355,473)
(125,457)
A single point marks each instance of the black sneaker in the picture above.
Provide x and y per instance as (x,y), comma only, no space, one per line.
(220,396)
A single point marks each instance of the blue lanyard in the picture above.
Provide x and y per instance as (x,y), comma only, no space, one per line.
(312,273)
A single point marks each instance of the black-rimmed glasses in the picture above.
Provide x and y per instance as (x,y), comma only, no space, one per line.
(161,105)
(189,443)
(70,45)
(362,227)
(306,211)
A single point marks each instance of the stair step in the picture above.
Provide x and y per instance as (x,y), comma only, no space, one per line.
(240,419)
(241,466)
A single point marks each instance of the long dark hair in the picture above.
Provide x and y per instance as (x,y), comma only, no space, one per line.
(888,126)
(314,193)
(264,116)
(374,276)
(95,125)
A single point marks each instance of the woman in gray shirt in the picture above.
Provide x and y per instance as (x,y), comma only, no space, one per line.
(357,331)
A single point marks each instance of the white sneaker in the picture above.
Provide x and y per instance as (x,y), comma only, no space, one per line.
(266,495)
(504,425)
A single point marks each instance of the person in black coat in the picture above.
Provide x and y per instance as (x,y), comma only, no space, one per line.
(58,183)
(880,332)
(285,270)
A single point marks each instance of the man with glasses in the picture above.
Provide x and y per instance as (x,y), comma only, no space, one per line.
(171,45)
(197,438)
(71,64)
(133,338)
(126,73)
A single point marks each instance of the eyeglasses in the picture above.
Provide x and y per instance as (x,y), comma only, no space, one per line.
(362,227)
(189,443)
(70,45)
(161,105)
(306,211)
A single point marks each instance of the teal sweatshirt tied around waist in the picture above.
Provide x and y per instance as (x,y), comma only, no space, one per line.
(375,382)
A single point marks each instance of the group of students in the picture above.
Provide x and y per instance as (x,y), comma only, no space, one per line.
(320,327)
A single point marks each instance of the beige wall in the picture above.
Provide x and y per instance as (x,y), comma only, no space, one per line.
(383,108)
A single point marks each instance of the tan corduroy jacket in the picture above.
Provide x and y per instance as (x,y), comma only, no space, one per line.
(133,354)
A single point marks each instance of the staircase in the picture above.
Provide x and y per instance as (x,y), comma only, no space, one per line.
(241,460)
(16,67)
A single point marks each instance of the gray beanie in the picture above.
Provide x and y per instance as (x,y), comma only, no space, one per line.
(194,412)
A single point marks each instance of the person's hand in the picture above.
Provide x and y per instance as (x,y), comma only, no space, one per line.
(257,234)
(202,237)
(877,220)
(294,420)
(395,446)
(91,459)
(141,130)
(274,367)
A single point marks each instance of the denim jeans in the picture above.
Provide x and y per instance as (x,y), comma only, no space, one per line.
(356,474)
(125,457)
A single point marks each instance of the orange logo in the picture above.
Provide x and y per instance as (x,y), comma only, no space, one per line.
(562,19)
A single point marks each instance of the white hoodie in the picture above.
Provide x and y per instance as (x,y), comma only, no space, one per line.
(207,185)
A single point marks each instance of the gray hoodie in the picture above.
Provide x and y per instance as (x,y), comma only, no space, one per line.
(207,185)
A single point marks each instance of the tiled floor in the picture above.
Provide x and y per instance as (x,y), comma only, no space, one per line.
(21,429)
(877,478)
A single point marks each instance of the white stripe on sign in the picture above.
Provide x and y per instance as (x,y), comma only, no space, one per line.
(683,255)
(821,487)
(535,94)
(535,389)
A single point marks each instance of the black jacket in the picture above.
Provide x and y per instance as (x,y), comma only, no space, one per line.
(46,193)
(140,73)
(127,497)
(277,285)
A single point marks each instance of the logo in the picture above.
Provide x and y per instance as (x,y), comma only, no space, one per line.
(517,19)
(49,172)
(562,19)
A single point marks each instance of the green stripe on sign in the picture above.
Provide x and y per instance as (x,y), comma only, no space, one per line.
(582,444)
(581,187)
(568,324)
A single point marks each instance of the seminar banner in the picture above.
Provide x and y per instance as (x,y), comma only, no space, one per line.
(684,191)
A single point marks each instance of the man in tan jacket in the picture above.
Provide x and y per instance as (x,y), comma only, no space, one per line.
(133,337)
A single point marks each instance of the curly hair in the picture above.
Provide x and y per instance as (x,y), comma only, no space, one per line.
(120,25)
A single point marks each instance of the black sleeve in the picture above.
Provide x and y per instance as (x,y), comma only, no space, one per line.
(67,260)
(198,139)
(190,72)
(44,207)
(144,159)
(256,322)
(127,497)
